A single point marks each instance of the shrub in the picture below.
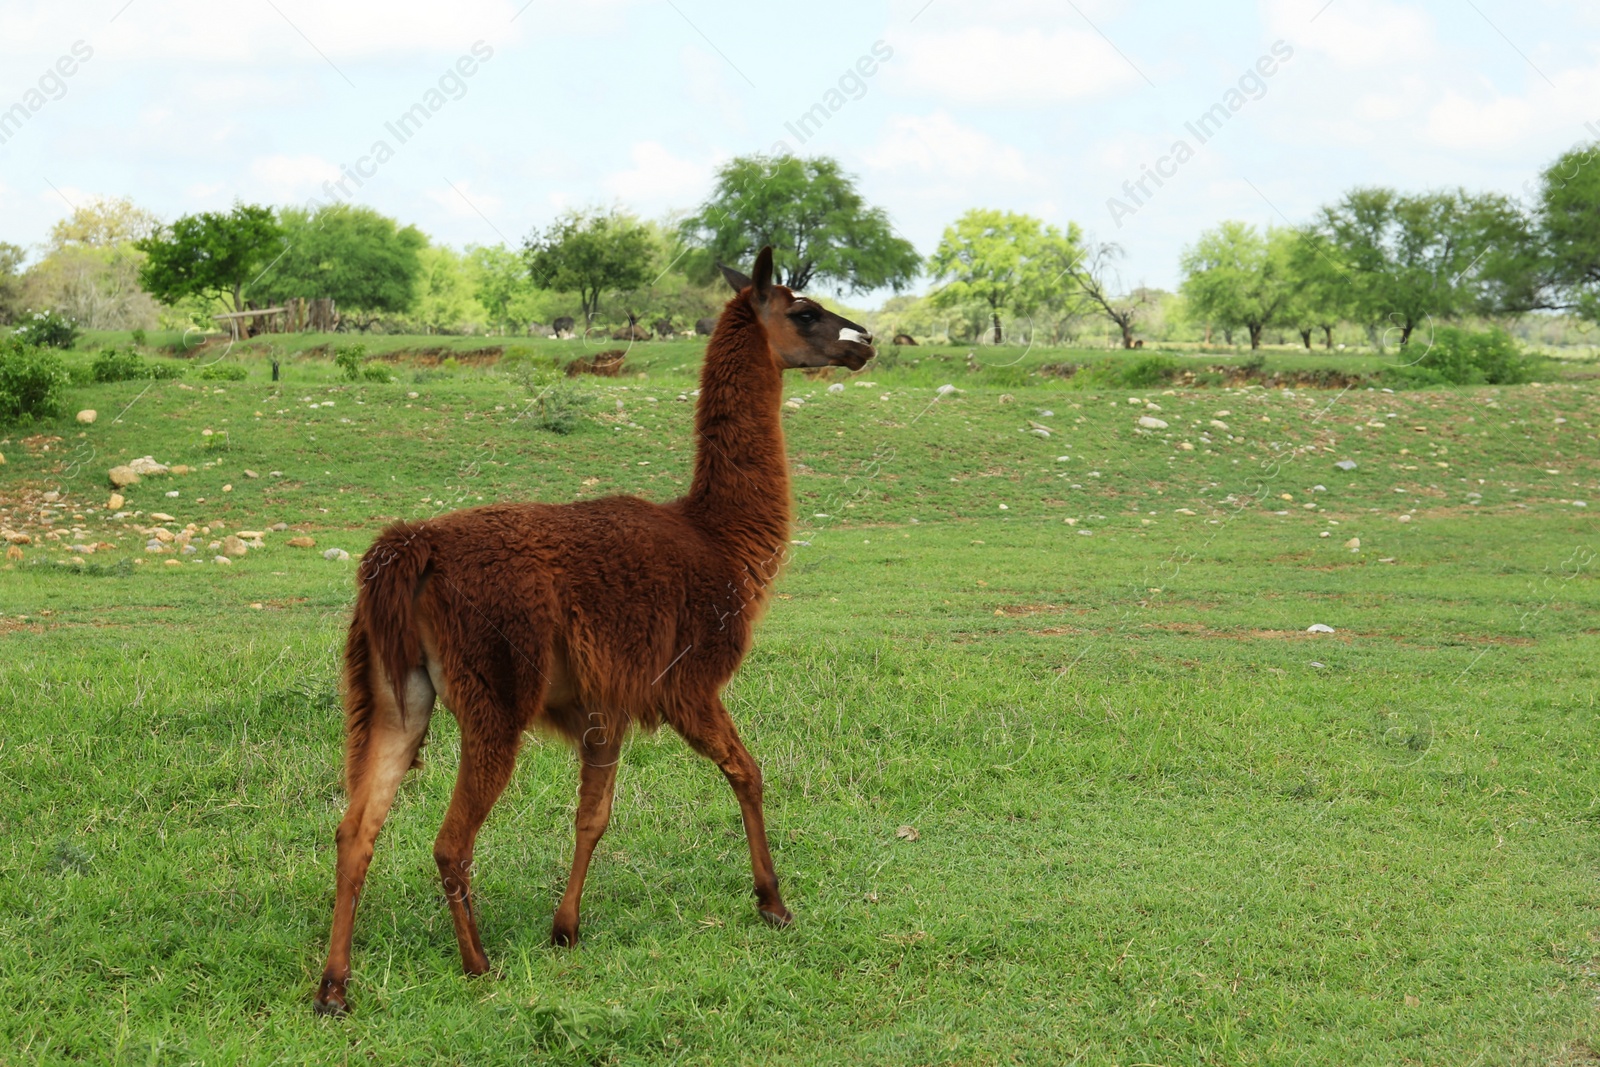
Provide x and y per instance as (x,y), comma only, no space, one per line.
(126,365)
(348,358)
(224,372)
(31,382)
(139,338)
(1464,357)
(563,408)
(1141,373)
(47,329)
(376,372)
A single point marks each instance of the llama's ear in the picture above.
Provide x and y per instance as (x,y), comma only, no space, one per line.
(739,282)
(763,272)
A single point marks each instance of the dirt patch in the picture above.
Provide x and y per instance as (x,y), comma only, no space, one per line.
(437,354)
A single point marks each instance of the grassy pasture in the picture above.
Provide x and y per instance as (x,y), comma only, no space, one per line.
(1155,820)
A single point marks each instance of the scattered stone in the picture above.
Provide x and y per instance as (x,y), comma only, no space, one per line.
(52,496)
(251,474)
(164,536)
(1405,518)
(251,535)
(1319,628)
(836,387)
(182,469)
(1184,511)
(302,542)
(161,516)
(1219,424)
(115,502)
(233,546)
(87,416)
(227,489)
(122,477)
(1354,544)
(174,563)
(148,465)
(14,553)
(338,555)
(223,559)
(794,402)
(1346,464)
(945,390)
(907,833)
(278,527)
(172,494)
(1150,422)
(1186,447)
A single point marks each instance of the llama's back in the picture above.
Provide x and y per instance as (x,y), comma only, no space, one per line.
(621,598)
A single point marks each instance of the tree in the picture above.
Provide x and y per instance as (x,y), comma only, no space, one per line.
(90,267)
(809,211)
(1092,272)
(213,255)
(1000,259)
(11,299)
(589,253)
(1569,225)
(502,286)
(1235,276)
(444,301)
(1438,255)
(1324,296)
(364,261)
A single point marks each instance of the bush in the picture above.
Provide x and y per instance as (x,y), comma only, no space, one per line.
(1141,373)
(563,408)
(1464,357)
(376,372)
(224,372)
(139,338)
(126,365)
(348,358)
(47,329)
(31,382)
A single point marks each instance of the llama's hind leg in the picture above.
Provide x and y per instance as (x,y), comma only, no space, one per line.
(596,785)
(384,730)
(713,735)
(489,746)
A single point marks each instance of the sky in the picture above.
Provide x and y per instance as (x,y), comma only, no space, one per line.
(1056,108)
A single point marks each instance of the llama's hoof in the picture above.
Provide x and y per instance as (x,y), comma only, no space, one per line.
(330,999)
(476,968)
(778,916)
(563,936)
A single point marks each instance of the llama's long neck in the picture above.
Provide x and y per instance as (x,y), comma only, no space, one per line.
(740,492)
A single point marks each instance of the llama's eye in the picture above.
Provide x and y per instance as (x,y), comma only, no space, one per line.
(809,317)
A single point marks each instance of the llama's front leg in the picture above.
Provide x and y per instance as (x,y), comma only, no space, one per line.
(487,759)
(718,740)
(595,788)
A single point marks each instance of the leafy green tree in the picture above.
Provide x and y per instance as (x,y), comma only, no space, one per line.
(213,255)
(810,212)
(364,261)
(1001,260)
(1235,276)
(90,267)
(444,301)
(1323,293)
(1438,255)
(589,253)
(11,299)
(1569,225)
(501,286)
(1096,284)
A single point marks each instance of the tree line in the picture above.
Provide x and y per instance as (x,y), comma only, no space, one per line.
(1383,261)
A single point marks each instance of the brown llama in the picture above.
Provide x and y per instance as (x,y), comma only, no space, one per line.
(583,619)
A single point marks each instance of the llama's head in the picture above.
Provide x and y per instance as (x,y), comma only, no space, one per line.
(800,331)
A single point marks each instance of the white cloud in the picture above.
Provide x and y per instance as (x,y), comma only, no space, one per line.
(465,201)
(1497,121)
(985,65)
(1354,33)
(658,177)
(291,177)
(938,145)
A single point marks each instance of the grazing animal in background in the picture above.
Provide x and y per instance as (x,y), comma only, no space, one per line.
(664,329)
(563,326)
(607,364)
(1139,343)
(582,619)
(631,332)
(904,339)
(703,327)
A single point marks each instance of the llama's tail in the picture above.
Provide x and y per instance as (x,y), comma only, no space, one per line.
(383,625)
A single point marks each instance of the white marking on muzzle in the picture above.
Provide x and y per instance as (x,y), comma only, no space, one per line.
(847,334)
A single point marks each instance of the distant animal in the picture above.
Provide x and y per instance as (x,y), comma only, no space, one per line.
(607,364)
(631,332)
(563,326)
(904,339)
(703,327)
(663,329)
(583,620)
(1139,343)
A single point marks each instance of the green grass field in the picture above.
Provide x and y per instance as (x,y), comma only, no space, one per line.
(1054,771)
